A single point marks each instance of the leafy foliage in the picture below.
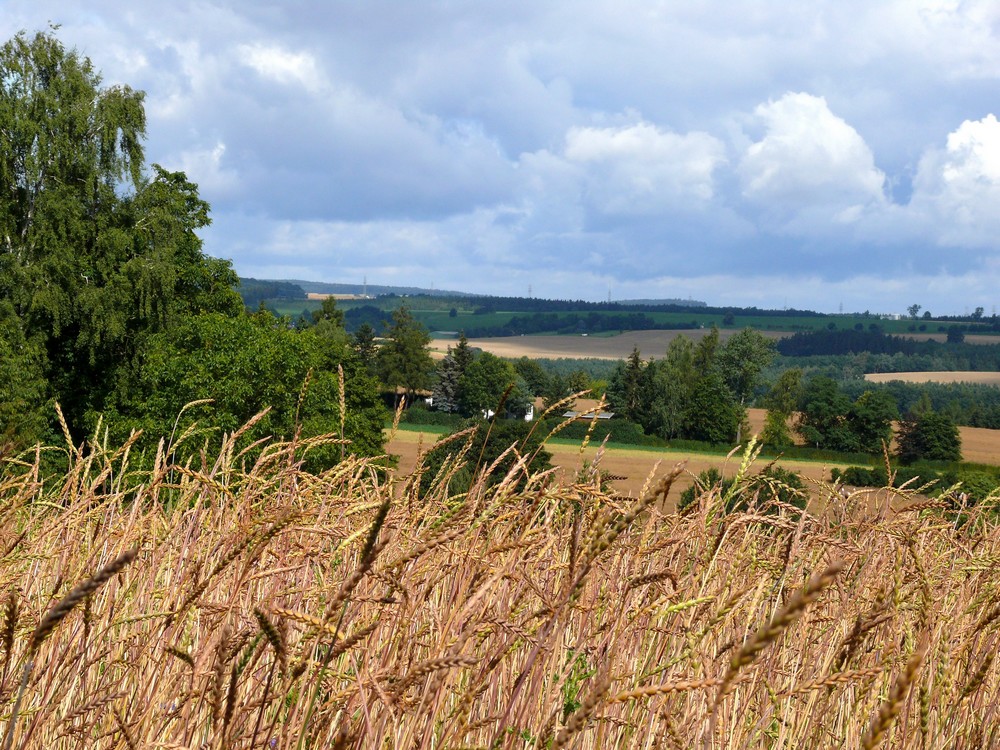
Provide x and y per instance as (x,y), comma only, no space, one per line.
(97,255)
(930,436)
(781,402)
(697,392)
(760,490)
(23,388)
(830,420)
(245,364)
(485,383)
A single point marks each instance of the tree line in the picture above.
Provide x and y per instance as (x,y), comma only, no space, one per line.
(852,342)
(701,391)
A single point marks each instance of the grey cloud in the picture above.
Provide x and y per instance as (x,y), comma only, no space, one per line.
(578,144)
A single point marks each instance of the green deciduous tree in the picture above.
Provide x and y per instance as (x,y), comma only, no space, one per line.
(830,420)
(741,361)
(781,402)
(870,418)
(667,390)
(329,311)
(931,436)
(24,392)
(705,351)
(96,254)
(823,421)
(533,374)
(712,415)
(484,384)
(555,391)
(245,364)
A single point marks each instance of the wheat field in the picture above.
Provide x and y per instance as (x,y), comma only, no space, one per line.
(235,603)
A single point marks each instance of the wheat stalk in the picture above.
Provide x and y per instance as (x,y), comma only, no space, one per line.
(883,720)
(785,617)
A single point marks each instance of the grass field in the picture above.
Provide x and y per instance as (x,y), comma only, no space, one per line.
(217,605)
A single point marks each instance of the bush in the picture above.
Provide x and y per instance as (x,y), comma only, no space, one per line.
(419,414)
(876,476)
(978,484)
(488,443)
(707,480)
(931,437)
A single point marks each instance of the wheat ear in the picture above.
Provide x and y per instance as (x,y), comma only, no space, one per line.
(888,711)
(52,619)
(785,617)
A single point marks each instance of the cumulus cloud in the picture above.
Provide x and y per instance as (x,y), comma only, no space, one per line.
(643,169)
(206,167)
(809,163)
(957,188)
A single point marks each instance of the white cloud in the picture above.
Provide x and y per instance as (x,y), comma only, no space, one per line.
(205,167)
(282,66)
(479,142)
(642,169)
(809,160)
(957,189)
(956,39)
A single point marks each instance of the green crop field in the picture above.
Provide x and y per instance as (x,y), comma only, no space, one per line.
(434,314)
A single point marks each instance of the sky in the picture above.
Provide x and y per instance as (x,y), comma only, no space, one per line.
(828,155)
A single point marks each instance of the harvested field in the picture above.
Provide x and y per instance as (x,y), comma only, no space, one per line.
(980,445)
(634,465)
(650,343)
(957,376)
(321,296)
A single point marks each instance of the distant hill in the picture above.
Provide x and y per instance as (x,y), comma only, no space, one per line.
(374,290)
(667,301)
(254,290)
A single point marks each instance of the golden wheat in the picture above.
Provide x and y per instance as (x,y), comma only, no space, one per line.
(278,608)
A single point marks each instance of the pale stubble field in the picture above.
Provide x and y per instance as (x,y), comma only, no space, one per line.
(636,465)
